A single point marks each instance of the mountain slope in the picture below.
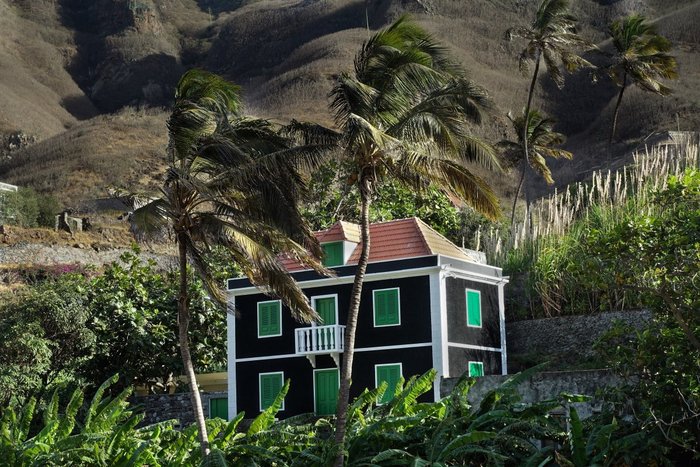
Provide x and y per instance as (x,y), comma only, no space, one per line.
(66,61)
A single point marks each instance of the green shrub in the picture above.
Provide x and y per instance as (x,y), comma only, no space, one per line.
(27,208)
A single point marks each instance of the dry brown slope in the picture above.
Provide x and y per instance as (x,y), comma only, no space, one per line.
(37,94)
(125,150)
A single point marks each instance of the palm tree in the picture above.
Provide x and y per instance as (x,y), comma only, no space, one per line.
(403,114)
(232,182)
(640,56)
(540,139)
(551,37)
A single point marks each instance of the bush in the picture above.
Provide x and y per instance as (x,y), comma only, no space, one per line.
(27,208)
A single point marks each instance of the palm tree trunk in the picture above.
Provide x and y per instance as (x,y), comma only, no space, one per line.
(617,110)
(351,324)
(183,321)
(517,194)
(526,127)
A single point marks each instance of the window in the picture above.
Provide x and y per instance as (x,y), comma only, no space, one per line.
(270,386)
(270,318)
(476,369)
(386,307)
(391,373)
(218,407)
(333,254)
(326,306)
(473,308)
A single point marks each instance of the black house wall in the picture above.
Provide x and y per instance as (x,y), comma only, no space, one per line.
(414,295)
(300,398)
(489,334)
(459,359)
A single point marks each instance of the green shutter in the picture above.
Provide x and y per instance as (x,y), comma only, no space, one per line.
(326,389)
(476,369)
(269,319)
(386,307)
(391,374)
(218,407)
(473,308)
(333,254)
(325,307)
(270,386)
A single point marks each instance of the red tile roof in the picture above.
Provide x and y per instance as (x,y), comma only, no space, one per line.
(397,239)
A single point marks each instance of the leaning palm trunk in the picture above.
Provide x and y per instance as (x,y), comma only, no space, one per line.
(526,126)
(183,321)
(351,324)
(615,114)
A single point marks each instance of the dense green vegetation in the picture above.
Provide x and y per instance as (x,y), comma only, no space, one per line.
(26,208)
(498,431)
(73,329)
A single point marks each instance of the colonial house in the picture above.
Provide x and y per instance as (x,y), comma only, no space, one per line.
(426,303)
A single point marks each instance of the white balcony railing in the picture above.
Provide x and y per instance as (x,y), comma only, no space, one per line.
(318,340)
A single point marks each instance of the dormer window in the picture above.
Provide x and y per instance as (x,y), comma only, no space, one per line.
(333,254)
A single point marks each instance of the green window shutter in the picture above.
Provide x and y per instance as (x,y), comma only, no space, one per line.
(476,369)
(473,308)
(391,374)
(270,386)
(269,315)
(386,307)
(218,407)
(325,307)
(333,254)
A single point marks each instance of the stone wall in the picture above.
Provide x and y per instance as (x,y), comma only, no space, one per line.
(48,255)
(546,385)
(161,407)
(567,342)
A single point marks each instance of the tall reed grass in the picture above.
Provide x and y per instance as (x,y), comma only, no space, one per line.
(543,257)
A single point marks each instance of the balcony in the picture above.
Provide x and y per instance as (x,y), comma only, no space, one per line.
(320,340)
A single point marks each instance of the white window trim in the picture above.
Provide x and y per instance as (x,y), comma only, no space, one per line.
(313,305)
(374,312)
(466,304)
(376,379)
(260,375)
(469,369)
(258,318)
(337,372)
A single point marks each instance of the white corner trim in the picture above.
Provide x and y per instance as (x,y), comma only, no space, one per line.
(231,366)
(502,325)
(438,316)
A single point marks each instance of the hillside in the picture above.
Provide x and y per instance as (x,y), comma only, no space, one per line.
(67,65)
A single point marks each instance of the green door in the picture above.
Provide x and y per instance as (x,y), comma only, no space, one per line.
(326,387)
(218,408)
(325,307)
